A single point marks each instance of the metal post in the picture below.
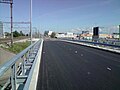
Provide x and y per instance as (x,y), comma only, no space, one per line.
(23,66)
(13,77)
(11,17)
(31,21)
(119,32)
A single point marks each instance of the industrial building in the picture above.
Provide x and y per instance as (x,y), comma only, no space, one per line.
(66,35)
(48,33)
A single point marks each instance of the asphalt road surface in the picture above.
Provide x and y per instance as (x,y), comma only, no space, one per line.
(66,66)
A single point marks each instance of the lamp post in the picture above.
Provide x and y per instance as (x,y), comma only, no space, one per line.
(11,16)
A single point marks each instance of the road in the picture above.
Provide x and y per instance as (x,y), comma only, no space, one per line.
(66,66)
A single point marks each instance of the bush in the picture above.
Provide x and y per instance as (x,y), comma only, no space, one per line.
(53,35)
(18,47)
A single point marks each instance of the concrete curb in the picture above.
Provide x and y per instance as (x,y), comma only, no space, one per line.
(97,47)
(33,83)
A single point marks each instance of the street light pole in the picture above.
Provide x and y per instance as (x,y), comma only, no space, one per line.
(31,21)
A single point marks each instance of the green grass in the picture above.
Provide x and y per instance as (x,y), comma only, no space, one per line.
(18,47)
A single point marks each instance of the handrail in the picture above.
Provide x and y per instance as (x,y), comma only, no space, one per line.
(19,75)
(12,61)
(27,85)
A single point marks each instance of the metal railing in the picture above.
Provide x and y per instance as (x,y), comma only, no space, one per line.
(96,43)
(21,71)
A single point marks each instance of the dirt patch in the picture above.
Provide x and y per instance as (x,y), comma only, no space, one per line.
(4,57)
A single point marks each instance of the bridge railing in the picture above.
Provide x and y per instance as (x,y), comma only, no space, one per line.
(105,46)
(98,43)
(21,67)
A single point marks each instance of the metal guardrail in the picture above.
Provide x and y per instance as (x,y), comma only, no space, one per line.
(97,43)
(19,74)
(32,77)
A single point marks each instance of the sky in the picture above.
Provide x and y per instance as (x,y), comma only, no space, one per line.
(64,15)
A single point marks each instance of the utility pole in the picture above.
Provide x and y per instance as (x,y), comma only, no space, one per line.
(11,17)
(31,21)
(119,32)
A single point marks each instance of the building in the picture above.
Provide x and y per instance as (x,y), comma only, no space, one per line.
(48,33)
(1,29)
(85,32)
(66,35)
(105,36)
(89,36)
(60,35)
(115,35)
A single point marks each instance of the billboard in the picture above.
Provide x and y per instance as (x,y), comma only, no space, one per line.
(95,36)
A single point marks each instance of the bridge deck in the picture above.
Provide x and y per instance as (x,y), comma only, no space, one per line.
(66,66)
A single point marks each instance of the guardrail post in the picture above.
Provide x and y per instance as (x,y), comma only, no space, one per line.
(23,66)
(13,77)
(28,55)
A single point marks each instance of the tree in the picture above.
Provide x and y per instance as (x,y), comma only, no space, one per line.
(7,34)
(21,33)
(46,33)
(53,35)
(27,34)
(16,34)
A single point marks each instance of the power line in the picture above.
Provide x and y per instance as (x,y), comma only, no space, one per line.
(17,22)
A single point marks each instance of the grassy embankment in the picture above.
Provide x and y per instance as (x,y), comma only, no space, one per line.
(18,47)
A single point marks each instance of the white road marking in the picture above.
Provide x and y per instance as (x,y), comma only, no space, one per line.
(109,69)
(43,52)
(88,73)
(75,51)
(81,54)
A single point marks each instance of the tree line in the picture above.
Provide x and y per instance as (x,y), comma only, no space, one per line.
(16,34)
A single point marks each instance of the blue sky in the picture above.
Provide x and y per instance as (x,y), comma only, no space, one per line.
(65,15)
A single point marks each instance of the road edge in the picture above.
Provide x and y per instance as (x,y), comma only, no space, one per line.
(92,46)
(34,80)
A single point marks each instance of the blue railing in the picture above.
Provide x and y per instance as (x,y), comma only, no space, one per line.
(97,43)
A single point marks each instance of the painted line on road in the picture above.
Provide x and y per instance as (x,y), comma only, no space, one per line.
(108,68)
(88,73)
(75,51)
(81,55)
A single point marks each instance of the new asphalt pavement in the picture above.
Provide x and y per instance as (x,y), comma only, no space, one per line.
(66,66)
